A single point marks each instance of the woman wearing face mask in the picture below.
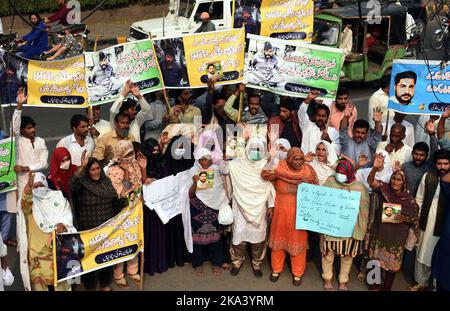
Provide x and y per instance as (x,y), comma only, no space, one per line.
(42,211)
(284,238)
(208,139)
(253,199)
(383,173)
(346,248)
(205,205)
(126,173)
(95,202)
(387,240)
(178,157)
(323,161)
(61,171)
(156,243)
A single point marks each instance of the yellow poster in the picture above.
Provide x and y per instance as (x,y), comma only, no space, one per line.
(216,55)
(117,240)
(287,19)
(57,83)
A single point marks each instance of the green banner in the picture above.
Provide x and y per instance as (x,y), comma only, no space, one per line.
(292,68)
(7,162)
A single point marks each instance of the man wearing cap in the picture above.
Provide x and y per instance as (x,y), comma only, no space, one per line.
(128,106)
(103,83)
(265,68)
(206,25)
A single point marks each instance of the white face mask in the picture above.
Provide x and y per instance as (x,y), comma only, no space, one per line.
(282,155)
(341,178)
(65,165)
(179,152)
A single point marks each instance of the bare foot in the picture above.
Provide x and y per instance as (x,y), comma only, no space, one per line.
(361,276)
(343,286)
(217,271)
(327,285)
(199,272)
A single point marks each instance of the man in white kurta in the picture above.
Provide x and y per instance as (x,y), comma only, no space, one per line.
(31,152)
(314,132)
(397,150)
(428,237)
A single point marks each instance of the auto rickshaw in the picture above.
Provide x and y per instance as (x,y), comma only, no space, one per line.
(375,45)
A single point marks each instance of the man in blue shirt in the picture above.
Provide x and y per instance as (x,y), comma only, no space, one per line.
(35,42)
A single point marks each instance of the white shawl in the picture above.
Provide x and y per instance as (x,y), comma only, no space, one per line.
(249,189)
(325,170)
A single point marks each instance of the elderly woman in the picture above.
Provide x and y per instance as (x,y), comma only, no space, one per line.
(284,238)
(205,205)
(95,202)
(323,161)
(42,211)
(127,172)
(346,248)
(387,239)
(61,171)
(208,139)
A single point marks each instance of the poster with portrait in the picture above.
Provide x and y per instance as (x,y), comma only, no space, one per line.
(205,180)
(13,74)
(419,88)
(108,70)
(292,68)
(390,210)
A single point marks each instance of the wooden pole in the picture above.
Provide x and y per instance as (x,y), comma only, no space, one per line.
(141,286)
(241,106)
(387,124)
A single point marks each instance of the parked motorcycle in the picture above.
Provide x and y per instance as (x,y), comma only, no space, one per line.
(440,36)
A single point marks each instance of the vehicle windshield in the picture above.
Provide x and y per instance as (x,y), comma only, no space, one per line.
(325,32)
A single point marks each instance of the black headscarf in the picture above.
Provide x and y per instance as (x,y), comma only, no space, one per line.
(102,187)
(186,162)
(156,167)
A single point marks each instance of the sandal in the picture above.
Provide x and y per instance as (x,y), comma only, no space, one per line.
(327,285)
(122,283)
(416,288)
(343,286)
(274,277)
(361,276)
(136,278)
(199,271)
(297,281)
(226,266)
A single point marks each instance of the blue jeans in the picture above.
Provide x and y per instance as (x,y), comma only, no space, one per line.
(5,223)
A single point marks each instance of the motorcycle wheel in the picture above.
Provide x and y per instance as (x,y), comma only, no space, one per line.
(437,41)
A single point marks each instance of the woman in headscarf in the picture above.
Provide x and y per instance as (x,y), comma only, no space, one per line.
(205,203)
(156,243)
(95,202)
(178,157)
(383,173)
(61,171)
(346,248)
(208,139)
(284,238)
(253,199)
(127,172)
(323,161)
(42,211)
(393,212)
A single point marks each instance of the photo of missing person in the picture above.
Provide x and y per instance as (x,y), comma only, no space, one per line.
(248,14)
(172,62)
(389,212)
(205,180)
(13,75)
(70,251)
(134,196)
(404,88)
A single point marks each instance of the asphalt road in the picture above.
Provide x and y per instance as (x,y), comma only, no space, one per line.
(53,123)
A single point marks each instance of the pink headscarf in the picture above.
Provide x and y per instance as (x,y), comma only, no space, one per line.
(205,137)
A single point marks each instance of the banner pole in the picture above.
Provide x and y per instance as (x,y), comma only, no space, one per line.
(241,106)
(141,286)
(387,124)
(55,267)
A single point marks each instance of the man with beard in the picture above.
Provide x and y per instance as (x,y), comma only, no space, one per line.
(316,130)
(254,115)
(184,112)
(103,82)
(264,68)
(398,151)
(128,106)
(287,122)
(105,146)
(35,42)
(206,25)
(337,110)
(248,22)
(171,70)
(405,84)
(433,205)
(78,141)
(10,85)
(362,145)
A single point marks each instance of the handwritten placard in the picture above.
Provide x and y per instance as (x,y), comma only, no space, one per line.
(327,210)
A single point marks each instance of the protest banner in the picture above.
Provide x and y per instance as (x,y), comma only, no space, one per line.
(292,68)
(419,88)
(57,83)
(327,210)
(282,19)
(13,74)
(191,60)
(117,240)
(7,162)
(108,70)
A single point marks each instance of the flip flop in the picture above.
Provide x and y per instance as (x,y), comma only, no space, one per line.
(122,283)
